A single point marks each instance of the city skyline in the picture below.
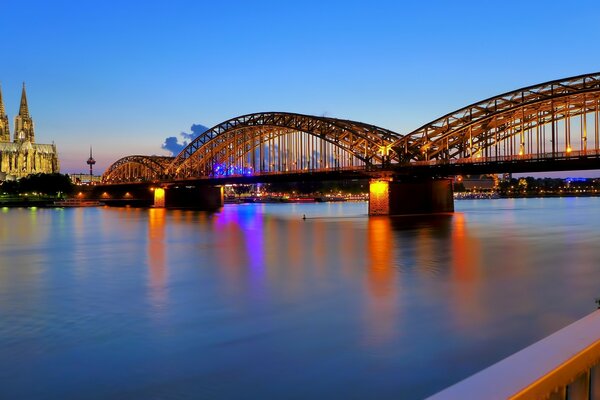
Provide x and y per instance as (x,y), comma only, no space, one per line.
(123,78)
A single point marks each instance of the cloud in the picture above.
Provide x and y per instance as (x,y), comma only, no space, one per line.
(175,147)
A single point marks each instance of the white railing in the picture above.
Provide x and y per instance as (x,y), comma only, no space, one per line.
(565,365)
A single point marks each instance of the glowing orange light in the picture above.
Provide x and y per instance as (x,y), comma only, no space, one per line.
(384,150)
(379,187)
(159,197)
(569,149)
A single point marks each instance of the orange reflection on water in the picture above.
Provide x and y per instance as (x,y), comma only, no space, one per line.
(466,264)
(319,248)
(382,282)
(347,247)
(466,251)
(156,256)
(380,250)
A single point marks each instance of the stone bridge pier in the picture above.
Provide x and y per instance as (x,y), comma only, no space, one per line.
(198,197)
(388,196)
(207,198)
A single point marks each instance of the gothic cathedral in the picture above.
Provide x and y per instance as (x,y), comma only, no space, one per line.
(22,156)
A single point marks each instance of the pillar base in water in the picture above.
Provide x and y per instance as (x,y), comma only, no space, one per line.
(379,197)
(207,198)
(159,198)
(409,198)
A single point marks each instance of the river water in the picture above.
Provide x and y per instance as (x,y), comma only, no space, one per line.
(254,302)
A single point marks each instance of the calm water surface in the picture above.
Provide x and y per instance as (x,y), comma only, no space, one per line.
(254,302)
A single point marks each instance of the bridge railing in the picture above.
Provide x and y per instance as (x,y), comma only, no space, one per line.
(564,365)
(389,166)
(563,155)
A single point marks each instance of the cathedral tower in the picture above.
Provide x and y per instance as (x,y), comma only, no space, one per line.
(23,122)
(21,156)
(4,128)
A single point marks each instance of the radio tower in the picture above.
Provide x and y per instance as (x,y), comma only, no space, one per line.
(91,163)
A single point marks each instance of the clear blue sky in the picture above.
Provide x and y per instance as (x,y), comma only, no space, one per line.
(124,75)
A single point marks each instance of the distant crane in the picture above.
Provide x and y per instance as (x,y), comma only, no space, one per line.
(90,161)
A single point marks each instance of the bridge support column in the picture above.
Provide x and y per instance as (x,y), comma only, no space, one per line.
(387,197)
(133,195)
(379,196)
(207,198)
(159,198)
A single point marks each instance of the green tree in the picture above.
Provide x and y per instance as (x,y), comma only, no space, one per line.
(48,184)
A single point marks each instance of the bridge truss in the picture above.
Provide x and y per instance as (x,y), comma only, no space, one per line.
(282,143)
(137,168)
(550,120)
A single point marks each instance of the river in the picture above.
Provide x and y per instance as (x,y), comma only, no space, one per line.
(255,302)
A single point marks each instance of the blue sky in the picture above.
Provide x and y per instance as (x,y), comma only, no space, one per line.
(124,75)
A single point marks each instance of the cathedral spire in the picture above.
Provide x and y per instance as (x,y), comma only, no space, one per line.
(4,128)
(2,111)
(23,122)
(23,109)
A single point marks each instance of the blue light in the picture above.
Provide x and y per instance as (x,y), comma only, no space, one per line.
(224,170)
(576,180)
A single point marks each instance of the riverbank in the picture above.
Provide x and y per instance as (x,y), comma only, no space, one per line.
(471,196)
(28,201)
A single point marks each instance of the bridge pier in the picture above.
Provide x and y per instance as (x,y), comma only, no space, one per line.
(426,196)
(133,195)
(159,198)
(207,198)
(200,197)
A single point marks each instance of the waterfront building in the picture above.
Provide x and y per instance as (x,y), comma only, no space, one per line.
(23,156)
(85,179)
(474,183)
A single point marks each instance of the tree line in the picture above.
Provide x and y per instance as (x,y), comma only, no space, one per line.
(46,184)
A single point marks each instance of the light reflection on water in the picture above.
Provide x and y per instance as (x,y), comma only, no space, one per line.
(255,302)
(157,269)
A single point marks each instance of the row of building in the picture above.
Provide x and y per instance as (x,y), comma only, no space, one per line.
(21,155)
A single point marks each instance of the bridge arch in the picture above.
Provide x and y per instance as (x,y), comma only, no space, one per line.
(281,142)
(137,168)
(555,118)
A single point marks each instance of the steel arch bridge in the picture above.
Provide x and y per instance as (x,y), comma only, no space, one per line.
(266,143)
(137,168)
(282,142)
(553,120)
